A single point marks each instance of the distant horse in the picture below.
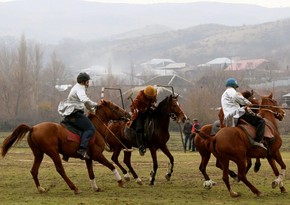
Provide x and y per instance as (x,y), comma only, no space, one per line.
(159,135)
(51,139)
(234,144)
(203,148)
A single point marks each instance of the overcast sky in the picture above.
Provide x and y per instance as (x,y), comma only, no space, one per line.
(265,3)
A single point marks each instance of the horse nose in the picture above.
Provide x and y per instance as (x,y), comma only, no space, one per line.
(183,119)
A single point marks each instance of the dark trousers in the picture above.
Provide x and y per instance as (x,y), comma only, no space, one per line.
(139,123)
(257,122)
(82,122)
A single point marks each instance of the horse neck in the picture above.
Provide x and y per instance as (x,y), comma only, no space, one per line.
(162,117)
(102,116)
(270,117)
(99,124)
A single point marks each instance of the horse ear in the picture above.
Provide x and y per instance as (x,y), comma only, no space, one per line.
(271,95)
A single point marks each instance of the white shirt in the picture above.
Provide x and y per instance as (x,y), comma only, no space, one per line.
(76,100)
(231,102)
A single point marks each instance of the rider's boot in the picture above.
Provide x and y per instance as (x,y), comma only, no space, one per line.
(140,144)
(83,153)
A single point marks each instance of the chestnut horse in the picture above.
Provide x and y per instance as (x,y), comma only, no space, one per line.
(234,144)
(51,139)
(202,145)
(160,118)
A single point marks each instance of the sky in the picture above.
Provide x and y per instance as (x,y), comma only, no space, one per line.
(264,3)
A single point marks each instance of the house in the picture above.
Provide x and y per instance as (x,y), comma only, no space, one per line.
(162,67)
(246,64)
(219,63)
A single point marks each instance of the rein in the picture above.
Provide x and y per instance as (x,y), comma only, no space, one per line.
(270,106)
(111,132)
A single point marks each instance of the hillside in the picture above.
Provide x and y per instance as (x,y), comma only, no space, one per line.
(52,20)
(194,45)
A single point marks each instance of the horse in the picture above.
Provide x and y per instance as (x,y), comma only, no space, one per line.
(166,109)
(51,138)
(202,145)
(234,144)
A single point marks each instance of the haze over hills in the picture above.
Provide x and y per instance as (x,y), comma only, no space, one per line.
(52,20)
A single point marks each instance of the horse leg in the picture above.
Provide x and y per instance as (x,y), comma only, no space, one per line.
(114,158)
(127,161)
(203,164)
(38,157)
(231,173)
(155,165)
(89,164)
(165,150)
(205,156)
(281,176)
(103,160)
(249,164)
(257,165)
(59,168)
(225,168)
(242,176)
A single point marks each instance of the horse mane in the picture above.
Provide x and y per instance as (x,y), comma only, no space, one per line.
(162,104)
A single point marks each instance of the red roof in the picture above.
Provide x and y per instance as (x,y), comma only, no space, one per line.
(246,64)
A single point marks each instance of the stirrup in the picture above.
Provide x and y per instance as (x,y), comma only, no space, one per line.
(259,144)
(128,150)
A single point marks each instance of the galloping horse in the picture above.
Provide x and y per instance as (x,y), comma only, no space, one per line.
(234,144)
(51,138)
(166,109)
(203,147)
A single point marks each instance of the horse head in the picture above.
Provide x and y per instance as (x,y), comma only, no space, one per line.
(269,105)
(108,110)
(175,111)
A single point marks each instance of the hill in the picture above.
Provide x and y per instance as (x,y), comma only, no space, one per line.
(194,45)
(52,20)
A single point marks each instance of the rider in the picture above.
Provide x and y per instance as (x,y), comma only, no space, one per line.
(73,109)
(144,101)
(232,102)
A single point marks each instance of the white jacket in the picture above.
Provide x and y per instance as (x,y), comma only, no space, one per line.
(77,100)
(231,102)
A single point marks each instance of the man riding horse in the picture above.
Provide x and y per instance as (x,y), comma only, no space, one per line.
(73,109)
(232,102)
(140,108)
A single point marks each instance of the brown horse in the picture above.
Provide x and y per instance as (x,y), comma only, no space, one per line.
(160,118)
(203,148)
(234,144)
(51,139)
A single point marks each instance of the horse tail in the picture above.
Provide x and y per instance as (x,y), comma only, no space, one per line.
(16,136)
(205,136)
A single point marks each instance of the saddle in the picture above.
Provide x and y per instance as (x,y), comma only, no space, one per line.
(130,130)
(216,126)
(251,130)
(73,133)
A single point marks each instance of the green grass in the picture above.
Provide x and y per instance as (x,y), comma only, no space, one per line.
(17,186)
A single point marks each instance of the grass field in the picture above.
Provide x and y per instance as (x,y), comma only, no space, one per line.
(185,187)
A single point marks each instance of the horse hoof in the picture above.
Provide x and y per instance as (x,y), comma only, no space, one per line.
(283,190)
(127,177)
(121,184)
(167,177)
(260,194)
(41,189)
(77,191)
(97,190)
(234,194)
(274,184)
(236,179)
(139,181)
